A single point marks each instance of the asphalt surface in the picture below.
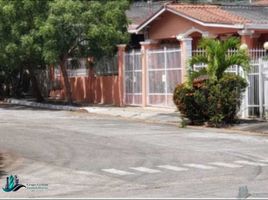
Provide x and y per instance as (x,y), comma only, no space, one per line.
(72,154)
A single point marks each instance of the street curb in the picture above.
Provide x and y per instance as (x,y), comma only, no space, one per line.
(153,121)
(229,130)
(41,105)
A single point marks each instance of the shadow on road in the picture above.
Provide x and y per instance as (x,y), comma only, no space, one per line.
(2,171)
(8,106)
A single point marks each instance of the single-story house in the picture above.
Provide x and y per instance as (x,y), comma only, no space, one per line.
(176,21)
(166,26)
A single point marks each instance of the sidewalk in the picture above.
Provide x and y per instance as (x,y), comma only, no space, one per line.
(159,115)
(150,114)
(255,126)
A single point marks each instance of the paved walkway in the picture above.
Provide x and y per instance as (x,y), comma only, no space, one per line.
(253,126)
(159,115)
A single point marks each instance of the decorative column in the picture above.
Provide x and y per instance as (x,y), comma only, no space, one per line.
(149,44)
(186,54)
(247,38)
(121,89)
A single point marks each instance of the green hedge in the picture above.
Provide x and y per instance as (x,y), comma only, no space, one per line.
(215,102)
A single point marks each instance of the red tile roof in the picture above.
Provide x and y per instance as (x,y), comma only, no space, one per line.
(208,14)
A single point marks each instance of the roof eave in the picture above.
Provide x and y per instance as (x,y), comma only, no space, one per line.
(166,8)
(256,26)
(239,26)
(148,21)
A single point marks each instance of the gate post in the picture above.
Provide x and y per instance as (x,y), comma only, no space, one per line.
(144,61)
(186,54)
(245,101)
(261,88)
(121,79)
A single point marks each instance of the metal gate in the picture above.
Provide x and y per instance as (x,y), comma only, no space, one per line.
(255,102)
(265,87)
(133,78)
(163,74)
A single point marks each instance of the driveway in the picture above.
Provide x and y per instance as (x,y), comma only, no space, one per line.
(72,154)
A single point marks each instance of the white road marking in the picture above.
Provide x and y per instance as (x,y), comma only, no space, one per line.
(109,124)
(174,168)
(145,169)
(198,166)
(245,162)
(84,172)
(263,160)
(116,171)
(222,164)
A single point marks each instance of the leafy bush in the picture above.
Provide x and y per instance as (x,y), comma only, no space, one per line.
(207,100)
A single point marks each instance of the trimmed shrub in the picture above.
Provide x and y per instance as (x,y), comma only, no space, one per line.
(214,101)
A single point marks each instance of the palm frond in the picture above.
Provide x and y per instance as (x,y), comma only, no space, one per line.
(218,59)
(231,43)
(240,58)
(192,75)
(198,59)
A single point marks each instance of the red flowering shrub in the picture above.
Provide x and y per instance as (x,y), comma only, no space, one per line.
(214,101)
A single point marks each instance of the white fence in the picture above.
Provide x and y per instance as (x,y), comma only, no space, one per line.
(254,54)
(255,99)
(73,72)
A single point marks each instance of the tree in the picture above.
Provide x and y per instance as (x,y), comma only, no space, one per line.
(21,43)
(82,28)
(218,59)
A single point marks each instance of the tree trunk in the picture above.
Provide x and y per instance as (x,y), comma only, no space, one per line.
(35,86)
(67,86)
(18,91)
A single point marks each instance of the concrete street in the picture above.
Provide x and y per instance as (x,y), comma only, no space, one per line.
(84,155)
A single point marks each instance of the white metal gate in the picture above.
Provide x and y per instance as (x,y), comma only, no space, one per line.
(163,74)
(265,87)
(255,102)
(133,78)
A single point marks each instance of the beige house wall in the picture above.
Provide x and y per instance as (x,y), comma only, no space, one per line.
(170,25)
